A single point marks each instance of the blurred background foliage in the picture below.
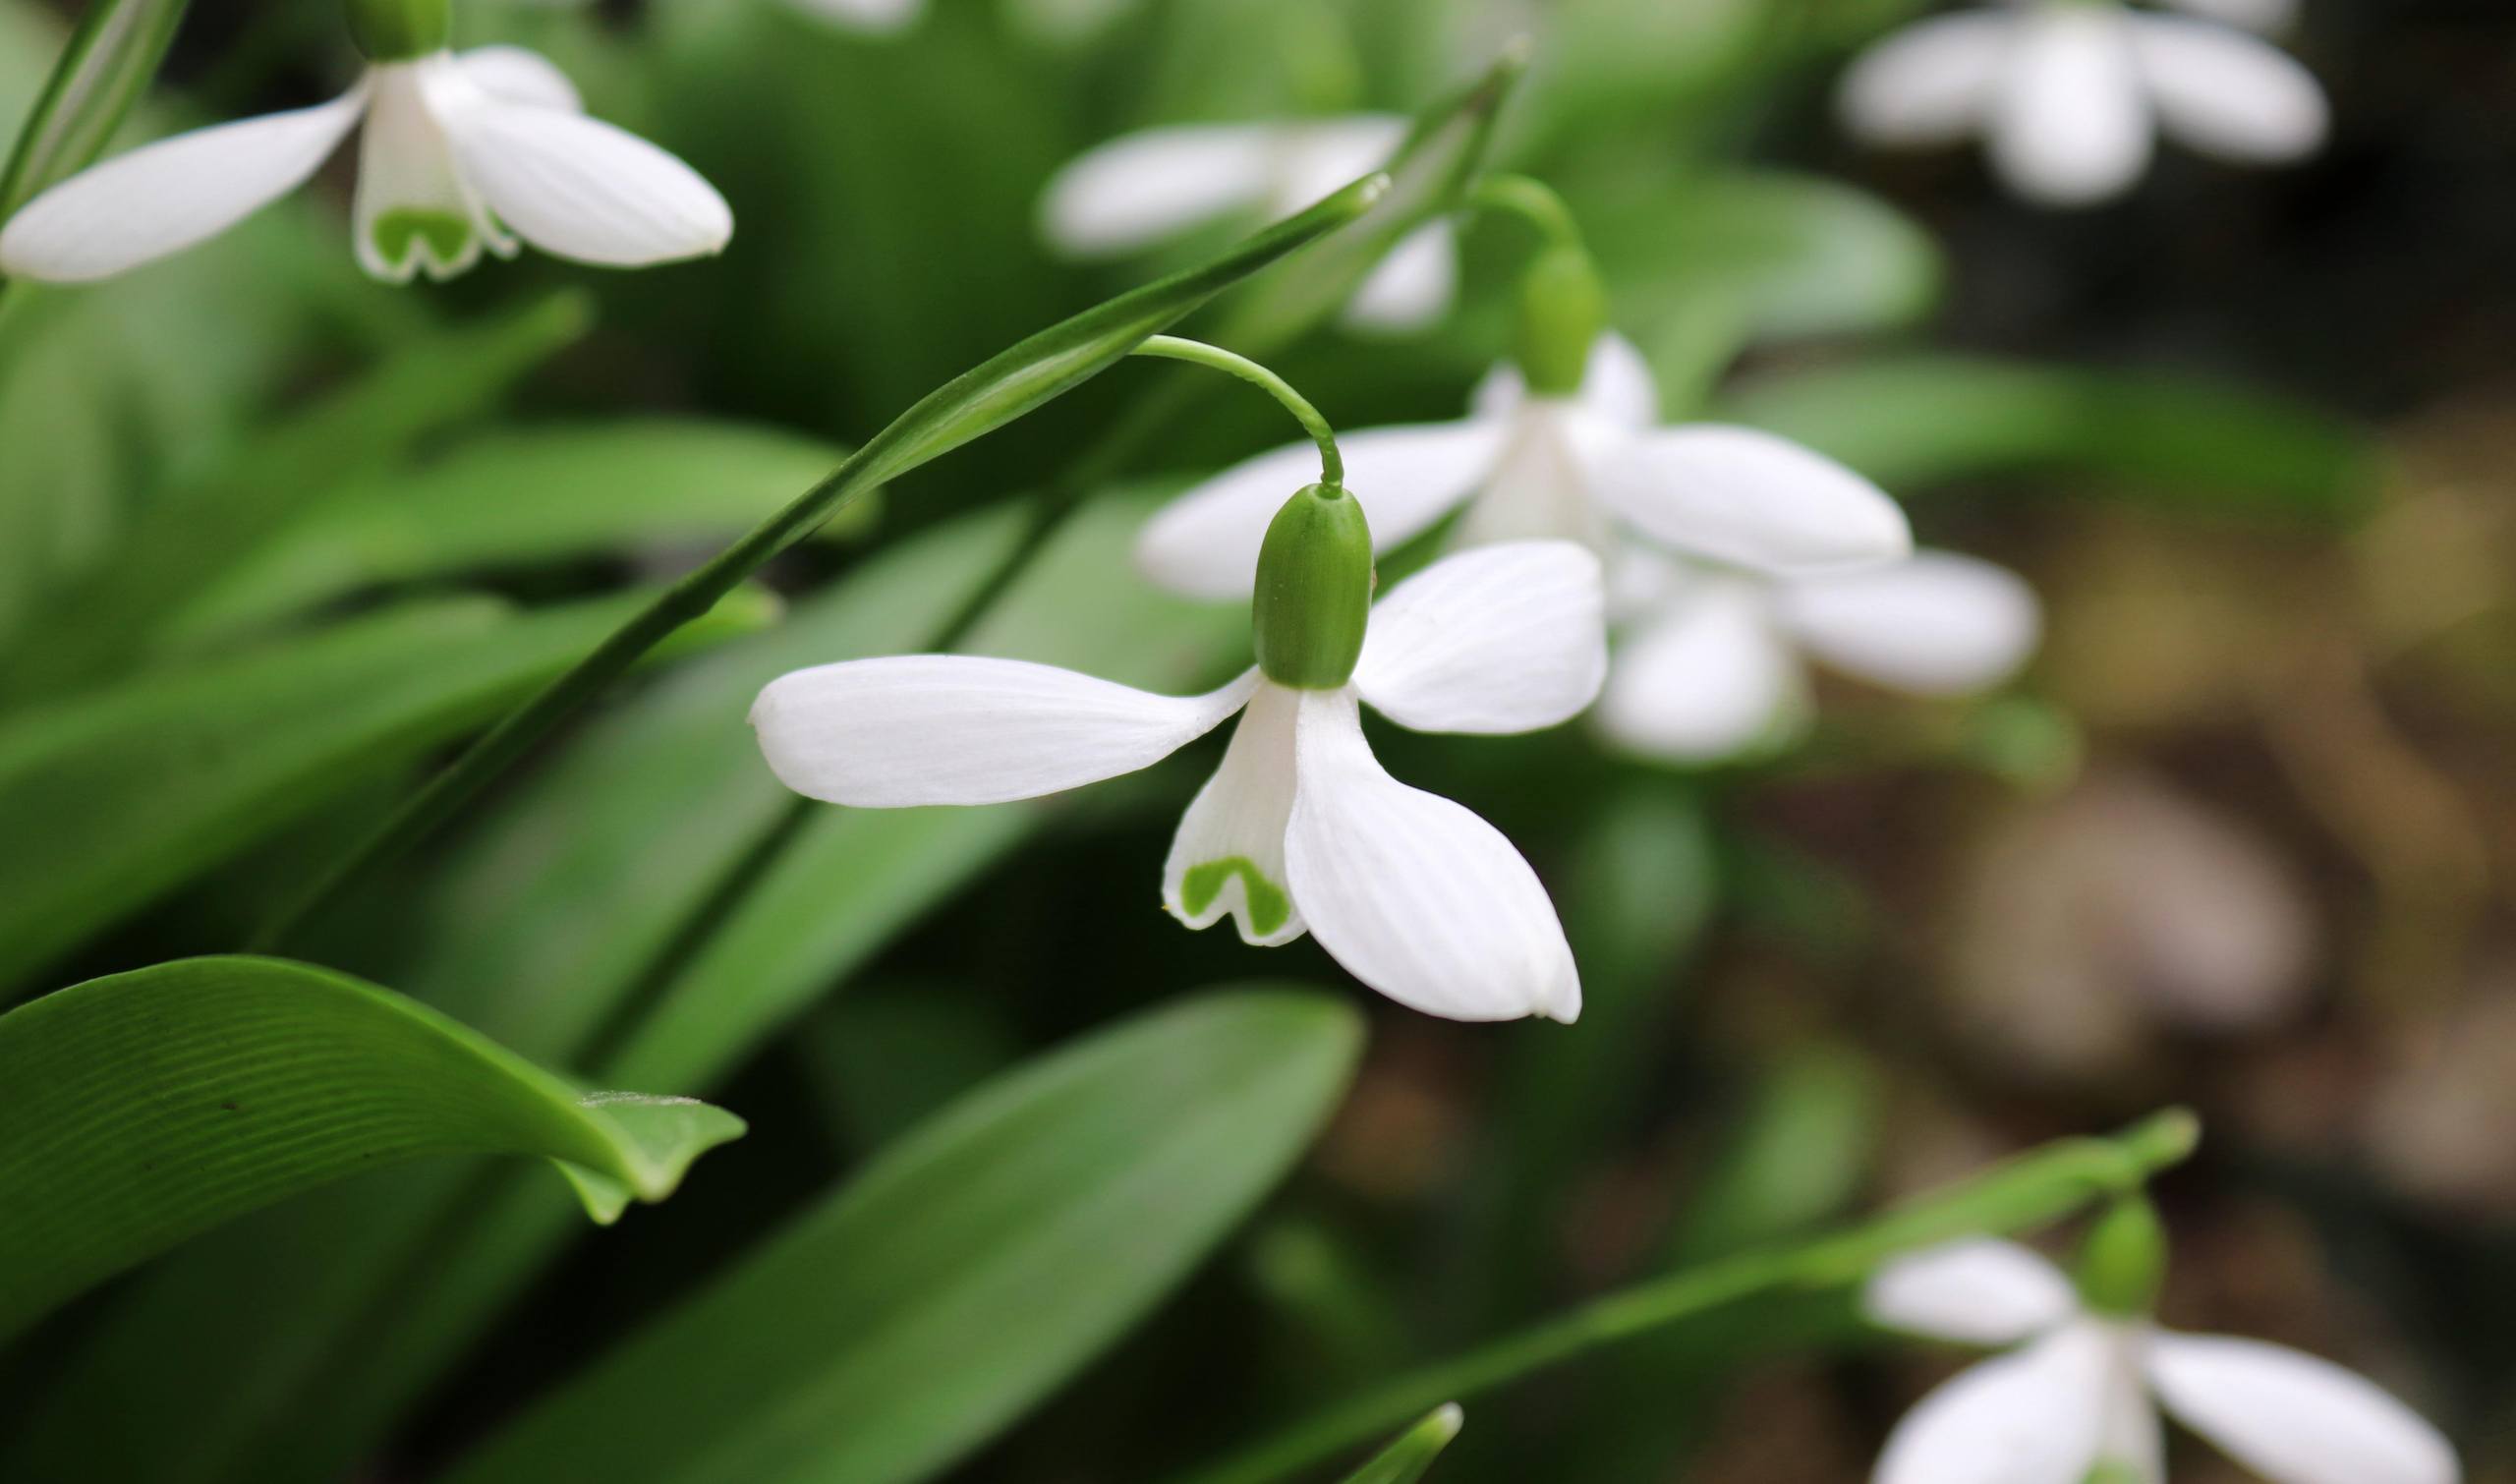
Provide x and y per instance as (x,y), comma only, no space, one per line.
(272,538)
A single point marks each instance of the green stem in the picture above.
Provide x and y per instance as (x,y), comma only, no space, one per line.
(1531,201)
(2041,1186)
(1332,468)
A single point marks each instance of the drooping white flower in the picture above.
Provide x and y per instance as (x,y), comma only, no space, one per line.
(460,153)
(1142,188)
(2071,93)
(2083,1388)
(1712,663)
(1300,829)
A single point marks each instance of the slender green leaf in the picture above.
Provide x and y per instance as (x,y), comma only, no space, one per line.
(149,1106)
(1913,422)
(869,1342)
(517,498)
(1404,1461)
(110,799)
(101,74)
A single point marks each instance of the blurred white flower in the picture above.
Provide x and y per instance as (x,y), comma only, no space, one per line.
(1300,828)
(2070,93)
(1142,188)
(2077,1394)
(1713,665)
(459,152)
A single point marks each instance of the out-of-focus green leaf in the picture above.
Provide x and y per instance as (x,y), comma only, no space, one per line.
(146,1107)
(516,498)
(100,74)
(881,1061)
(111,798)
(1404,1461)
(1797,1155)
(874,1341)
(1913,422)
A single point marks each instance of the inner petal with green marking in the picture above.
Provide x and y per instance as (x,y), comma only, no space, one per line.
(444,236)
(1268,907)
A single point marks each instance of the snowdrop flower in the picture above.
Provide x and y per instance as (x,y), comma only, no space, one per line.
(2079,1398)
(2070,93)
(460,153)
(1300,829)
(1711,665)
(1142,188)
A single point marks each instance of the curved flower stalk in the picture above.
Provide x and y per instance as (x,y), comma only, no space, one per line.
(1144,188)
(2079,1397)
(1714,663)
(460,153)
(2070,95)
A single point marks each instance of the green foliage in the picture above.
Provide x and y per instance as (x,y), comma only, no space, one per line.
(1404,1461)
(149,1106)
(93,86)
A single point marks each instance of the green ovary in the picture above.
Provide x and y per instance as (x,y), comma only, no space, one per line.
(1268,907)
(398,231)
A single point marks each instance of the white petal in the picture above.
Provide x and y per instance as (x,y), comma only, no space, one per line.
(1980,1292)
(514,75)
(910,729)
(1616,385)
(1929,84)
(165,197)
(2035,1416)
(2226,93)
(1498,639)
(575,187)
(1141,188)
(2293,1418)
(2071,121)
(1229,856)
(1410,287)
(1546,477)
(1413,894)
(1937,623)
(1707,680)
(2267,16)
(874,17)
(412,209)
(2129,1434)
(1315,159)
(1205,543)
(1740,496)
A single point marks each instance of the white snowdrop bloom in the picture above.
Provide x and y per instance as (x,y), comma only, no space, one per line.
(460,153)
(1712,663)
(2083,1388)
(1300,829)
(1582,467)
(1142,188)
(2070,93)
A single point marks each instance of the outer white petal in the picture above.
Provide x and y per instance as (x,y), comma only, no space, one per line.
(413,211)
(911,729)
(2293,1418)
(2227,94)
(875,17)
(1616,385)
(2267,16)
(1410,287)
(1315,158)
(1545,477)
(1744,496)
(1234,831)
(514,75)
(2130,1436)
(1141,188)
(576,186)
(2033,1416)
(1709,679)
(1413,894)
(1938,623)
(2071,121)
(1929,84)
(1498,639)
(1205,543)
(165,197)
(1982,1291)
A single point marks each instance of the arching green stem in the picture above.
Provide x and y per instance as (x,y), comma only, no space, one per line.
(1332,468)
(1533,202)
(1564,303)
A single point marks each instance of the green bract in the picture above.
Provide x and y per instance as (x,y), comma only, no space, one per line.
(1314,591)
(396,31)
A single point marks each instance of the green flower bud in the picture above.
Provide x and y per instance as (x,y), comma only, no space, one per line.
(396,31)
(1563,308)
(2123,1260)
(1314,589)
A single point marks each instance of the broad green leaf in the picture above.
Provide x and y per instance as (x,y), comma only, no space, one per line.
(109,799)
(517,498)
(1913,422)
(1404,1461)
(100,74)
(149,1106)
(870,1342)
